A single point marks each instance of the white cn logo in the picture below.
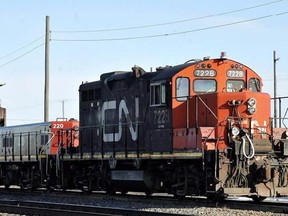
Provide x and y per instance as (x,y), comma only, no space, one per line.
(111,105)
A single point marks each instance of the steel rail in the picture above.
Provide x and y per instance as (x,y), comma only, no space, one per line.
(276,205)
(60,209)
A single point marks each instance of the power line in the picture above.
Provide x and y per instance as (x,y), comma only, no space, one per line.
(22,55)
(280,79)
(32,106)
(174,33)
(25,120)
(278,76)
(9,54)
(168,23)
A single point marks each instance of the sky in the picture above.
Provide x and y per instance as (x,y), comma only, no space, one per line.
(91,37)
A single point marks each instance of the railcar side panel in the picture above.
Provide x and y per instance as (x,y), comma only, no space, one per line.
(26,141)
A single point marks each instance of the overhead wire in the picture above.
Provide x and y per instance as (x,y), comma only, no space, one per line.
(167,23)
(173,33)
(32,106)
(23,47)
(147,26)
(22,55)
(25,120)
(144,26)
(280,79)
(279,76)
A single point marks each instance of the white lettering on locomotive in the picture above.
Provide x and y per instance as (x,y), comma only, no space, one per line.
(111,105)
(261,129)
(57,126)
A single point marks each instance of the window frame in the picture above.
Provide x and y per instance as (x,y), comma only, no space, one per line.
(208,91)
(255,80)
(158,99)
(182,98)
(238,90)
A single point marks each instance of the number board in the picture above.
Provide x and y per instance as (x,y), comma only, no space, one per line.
(235,73)
(205,73)
(57,126)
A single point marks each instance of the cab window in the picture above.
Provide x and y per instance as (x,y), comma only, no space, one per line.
(182,88)
(234,85)
(157,94)
(204,85)
(254,85)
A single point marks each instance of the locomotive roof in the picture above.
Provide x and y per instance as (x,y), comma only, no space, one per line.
(26,125)
(160,74)
(90,85)
(169,72)
(126,75)
(114,76)
(120,76)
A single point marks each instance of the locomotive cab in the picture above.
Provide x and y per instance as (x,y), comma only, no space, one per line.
(218,109)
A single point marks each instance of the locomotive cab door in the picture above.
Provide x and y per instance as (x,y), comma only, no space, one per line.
(185,135)
(160,130)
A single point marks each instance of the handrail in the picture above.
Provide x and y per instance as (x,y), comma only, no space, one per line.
(279,117)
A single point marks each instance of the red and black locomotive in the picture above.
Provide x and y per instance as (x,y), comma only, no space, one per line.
(199,128)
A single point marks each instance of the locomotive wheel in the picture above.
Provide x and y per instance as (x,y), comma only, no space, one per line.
(178,197)
(110,190)
(86,189)
(22,186)
(63,188)
(258,199)
(7,182)
(148,193)
(124,192)
(49,188)
(216,197)
(49,184)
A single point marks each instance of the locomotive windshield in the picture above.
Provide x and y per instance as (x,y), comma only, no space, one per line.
(254,85)
(234,85)
(204,85)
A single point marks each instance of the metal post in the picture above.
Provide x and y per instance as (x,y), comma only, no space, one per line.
(63,108)
(280,114)
(275,89)
(46,90)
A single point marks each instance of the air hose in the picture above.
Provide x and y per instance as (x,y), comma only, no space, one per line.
(251,147)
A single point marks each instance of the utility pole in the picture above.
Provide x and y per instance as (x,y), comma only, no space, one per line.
(275,88)
(46,88)
(63,108)
(2,84)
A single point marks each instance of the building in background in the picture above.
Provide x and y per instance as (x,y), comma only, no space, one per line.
(2,117)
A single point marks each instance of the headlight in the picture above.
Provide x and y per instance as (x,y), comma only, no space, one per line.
(235,131)
(251,105)
(251,110)
(251,102)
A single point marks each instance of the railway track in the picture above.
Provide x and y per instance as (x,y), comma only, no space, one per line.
(55,209)
(269,205)
(131,204)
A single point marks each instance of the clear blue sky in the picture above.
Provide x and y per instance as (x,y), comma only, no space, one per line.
(71,62)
